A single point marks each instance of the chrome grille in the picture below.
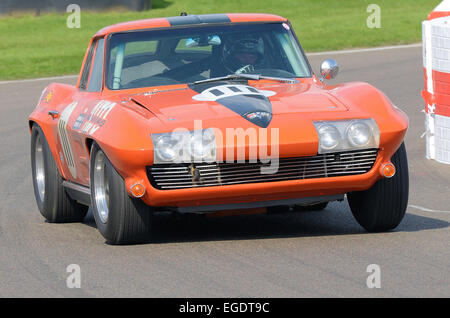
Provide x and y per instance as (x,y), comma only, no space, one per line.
(179,176)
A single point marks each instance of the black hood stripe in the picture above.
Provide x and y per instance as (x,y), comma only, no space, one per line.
(251,105)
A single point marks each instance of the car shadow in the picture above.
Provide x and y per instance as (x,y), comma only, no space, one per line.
(336,219)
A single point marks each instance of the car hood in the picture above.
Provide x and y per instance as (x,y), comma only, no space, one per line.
(257,104)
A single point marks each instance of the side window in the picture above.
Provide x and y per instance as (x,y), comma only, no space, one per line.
(87,66)
(141,47)
(95,81)
(133,60)
(187,45)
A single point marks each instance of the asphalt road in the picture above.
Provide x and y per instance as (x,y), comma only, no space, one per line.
(313,254)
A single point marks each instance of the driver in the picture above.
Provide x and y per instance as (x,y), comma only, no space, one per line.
(243,54)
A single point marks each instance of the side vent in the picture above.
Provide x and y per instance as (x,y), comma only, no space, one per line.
(62,130)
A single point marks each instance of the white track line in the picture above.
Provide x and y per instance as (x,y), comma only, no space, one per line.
(373,49)
(426,209)
(39,79)
(353,51)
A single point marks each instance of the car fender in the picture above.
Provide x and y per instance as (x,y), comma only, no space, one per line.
(54,97)
(129,148)
(364,98)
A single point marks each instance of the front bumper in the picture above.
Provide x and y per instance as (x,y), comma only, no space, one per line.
(263,193)
(258,204)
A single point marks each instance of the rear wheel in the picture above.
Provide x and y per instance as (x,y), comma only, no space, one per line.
(383,206)
(119,218)
(51,197)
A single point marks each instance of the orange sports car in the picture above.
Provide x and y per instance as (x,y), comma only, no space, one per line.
(208,113)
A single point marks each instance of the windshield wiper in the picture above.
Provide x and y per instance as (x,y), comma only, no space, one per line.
(253,77)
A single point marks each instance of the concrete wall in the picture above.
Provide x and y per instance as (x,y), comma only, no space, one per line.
(38,6)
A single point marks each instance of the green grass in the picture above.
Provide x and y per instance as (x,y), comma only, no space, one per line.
(33,46)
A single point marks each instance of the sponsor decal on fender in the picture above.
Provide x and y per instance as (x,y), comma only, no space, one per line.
(90,123)
(48,97)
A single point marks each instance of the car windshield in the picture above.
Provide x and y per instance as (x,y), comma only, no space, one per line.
(190,54)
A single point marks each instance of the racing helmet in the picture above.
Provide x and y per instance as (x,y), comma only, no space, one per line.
(240,51)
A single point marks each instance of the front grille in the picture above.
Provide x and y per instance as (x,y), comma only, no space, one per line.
(179,176)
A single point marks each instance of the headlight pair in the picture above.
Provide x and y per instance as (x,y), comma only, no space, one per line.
(335,136)
(184,146)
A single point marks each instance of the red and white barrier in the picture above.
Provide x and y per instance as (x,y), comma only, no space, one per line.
(436,62)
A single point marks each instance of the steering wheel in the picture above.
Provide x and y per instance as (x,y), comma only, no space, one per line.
(245,69)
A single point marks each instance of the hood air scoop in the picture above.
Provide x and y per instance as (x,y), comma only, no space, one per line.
(249,102)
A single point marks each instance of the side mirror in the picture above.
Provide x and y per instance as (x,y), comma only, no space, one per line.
(328,69)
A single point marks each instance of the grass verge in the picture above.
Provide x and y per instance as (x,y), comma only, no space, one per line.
(33,46)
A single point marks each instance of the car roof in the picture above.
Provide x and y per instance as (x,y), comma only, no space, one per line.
(189,20)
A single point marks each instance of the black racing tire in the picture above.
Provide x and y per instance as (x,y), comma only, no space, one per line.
(313,207)
(383,206)
(128,219)
(52,199)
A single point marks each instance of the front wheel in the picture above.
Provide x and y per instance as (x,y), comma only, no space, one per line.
(53,202)
(383,206)
(119,218)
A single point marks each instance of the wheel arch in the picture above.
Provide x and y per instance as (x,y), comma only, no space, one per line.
(51,140)
(88,143)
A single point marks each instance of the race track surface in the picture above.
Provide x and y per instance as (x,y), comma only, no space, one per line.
(312,254)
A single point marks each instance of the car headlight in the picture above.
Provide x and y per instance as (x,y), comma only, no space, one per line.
(329,137)
(342,135)
(202,145)
(359,134)
(184,146)
(166,148)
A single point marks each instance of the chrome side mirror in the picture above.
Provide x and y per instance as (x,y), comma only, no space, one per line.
(328,69)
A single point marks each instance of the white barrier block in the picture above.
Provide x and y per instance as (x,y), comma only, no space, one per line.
(436,56)
(443,121)
(430,137)
(442,138)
